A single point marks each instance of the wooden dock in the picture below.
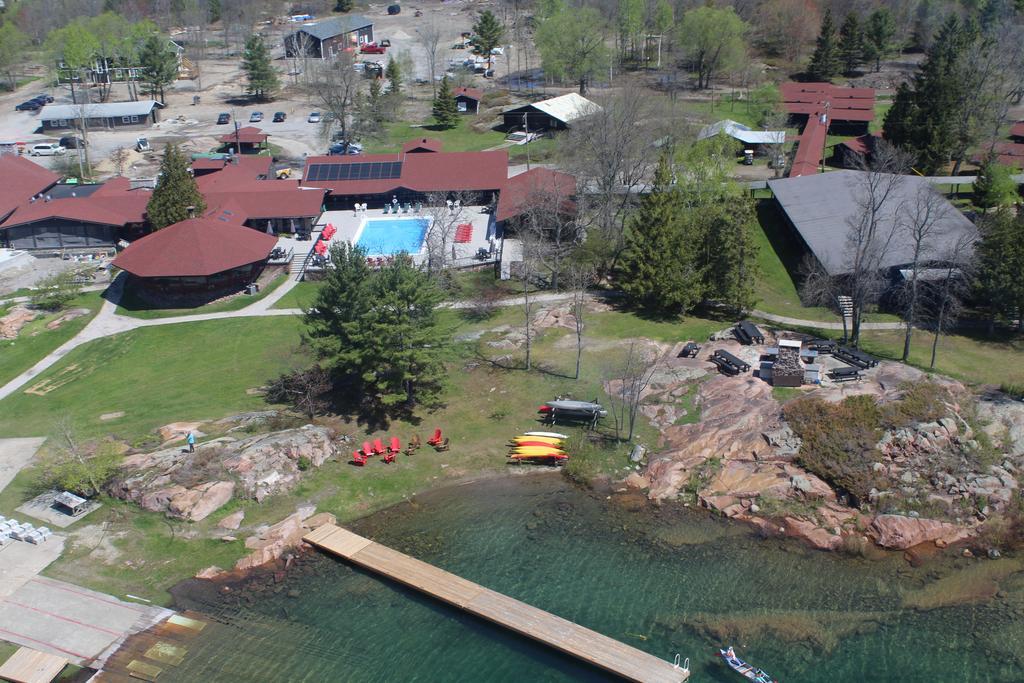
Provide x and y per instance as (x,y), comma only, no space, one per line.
(561,634)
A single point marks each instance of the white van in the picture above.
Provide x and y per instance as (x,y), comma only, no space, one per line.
(47,149)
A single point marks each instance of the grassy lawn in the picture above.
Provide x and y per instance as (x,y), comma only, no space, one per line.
(461,138)
(539,151)
(35,341)
(135,308)
(189,371)
(725,108)
(881,109)
(300,296)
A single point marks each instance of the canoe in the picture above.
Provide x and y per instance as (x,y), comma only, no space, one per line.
(518,444)
(549,440)
(546,456)
(576,408)
(744,669)
(540,450)
(553,435)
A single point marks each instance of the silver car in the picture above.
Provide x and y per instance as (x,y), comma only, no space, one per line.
(47,149)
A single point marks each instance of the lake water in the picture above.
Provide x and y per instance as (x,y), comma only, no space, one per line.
(667,581)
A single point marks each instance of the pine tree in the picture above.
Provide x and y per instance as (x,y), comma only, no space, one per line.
(159,65)
(995,186)
(658,266)
(1000,261)
(878,35)
(377,330)
(445,110)
(393,72)
(851,44)
(825,60)
(262,78)
(487,33)
(732,266)
(176,195)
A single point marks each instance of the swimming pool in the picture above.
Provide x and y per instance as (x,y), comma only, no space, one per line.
(388,236)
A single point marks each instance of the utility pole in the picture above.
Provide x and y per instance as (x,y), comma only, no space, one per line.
(526,129)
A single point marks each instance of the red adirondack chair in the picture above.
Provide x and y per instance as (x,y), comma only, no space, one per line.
(389,457)
(358,458)
(378,447)
(367,449)
(395,445)
(436,438)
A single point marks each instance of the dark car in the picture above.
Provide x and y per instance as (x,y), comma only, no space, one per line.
(29,105)
(72,142)
(223,118)
(44,98)
(279,117)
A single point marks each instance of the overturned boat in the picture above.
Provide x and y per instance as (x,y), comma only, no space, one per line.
(573,410)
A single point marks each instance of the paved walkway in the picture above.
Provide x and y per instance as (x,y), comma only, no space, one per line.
(108,322)
(797,322)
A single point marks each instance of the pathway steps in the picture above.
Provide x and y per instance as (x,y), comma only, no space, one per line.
(571,638)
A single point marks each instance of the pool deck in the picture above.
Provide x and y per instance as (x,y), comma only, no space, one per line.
(348,223)
(554,631)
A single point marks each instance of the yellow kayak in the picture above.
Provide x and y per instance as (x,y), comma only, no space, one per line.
(541,439)
(537,450)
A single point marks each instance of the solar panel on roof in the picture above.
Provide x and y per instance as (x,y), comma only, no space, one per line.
(367,170)
(364,171)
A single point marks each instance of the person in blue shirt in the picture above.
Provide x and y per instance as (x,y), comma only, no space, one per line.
(191,441)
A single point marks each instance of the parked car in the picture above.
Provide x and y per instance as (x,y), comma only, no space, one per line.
(255,117)
(46,149)
(498,51)
(372,49)
(72,142)
(314,117)
(223,118)
(279,117)
(29,105)
(345,148)
(44,98)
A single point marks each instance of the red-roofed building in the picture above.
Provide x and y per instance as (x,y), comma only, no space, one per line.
(248,140)
(199,255)
(1017,131)
(254,165)
(77,217)
(421,145)
(467,100)
(410,177)
(825,108)
(21,180)
(538,188)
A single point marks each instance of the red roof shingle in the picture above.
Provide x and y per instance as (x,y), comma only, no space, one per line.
(472,93)
(534,188)
(21,179)
(423,145)
(1017,130)
(195,248)
(248,134)
(440,172)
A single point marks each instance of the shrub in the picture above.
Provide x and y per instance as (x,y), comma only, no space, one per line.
(83,470)
(304,463)
(921,402)
(55,292)
(838,440)
(206,464)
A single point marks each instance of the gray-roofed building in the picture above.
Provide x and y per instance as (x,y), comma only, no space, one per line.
(329,37)
(744,134)
(100,114)
(822,208)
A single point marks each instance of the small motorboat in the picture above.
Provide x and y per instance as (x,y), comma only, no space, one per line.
(553,435)
(579,410)
(744,669)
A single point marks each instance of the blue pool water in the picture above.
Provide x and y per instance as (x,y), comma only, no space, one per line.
(388,236)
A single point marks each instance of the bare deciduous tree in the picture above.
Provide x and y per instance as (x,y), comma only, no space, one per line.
(550,215)
(921,223)
(448,211)
(334,85)
(628,383)
(428,35)
(952,287)
(611,153)
(581,276)
(119,157)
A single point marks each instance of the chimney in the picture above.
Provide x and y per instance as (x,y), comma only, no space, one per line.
(47,198)
(191,211)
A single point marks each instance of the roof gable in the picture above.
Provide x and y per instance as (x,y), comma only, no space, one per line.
(22,179)
(335,26)
(97,110)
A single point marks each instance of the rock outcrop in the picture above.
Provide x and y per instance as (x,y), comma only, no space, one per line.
(194,485)
(272,542)
(16,318)
(899,532)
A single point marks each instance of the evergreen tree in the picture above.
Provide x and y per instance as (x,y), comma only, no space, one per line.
(732,264)
(343,5)
(215,11)
(393,72)
(825,61)
(487,33)
(878,35)
(927,116)
(378,330)
(851,44)
(1000,261)
(175,193)
(631,24)
(259,72)
(445,110)
(159,65)
(658,267)
(995,186)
